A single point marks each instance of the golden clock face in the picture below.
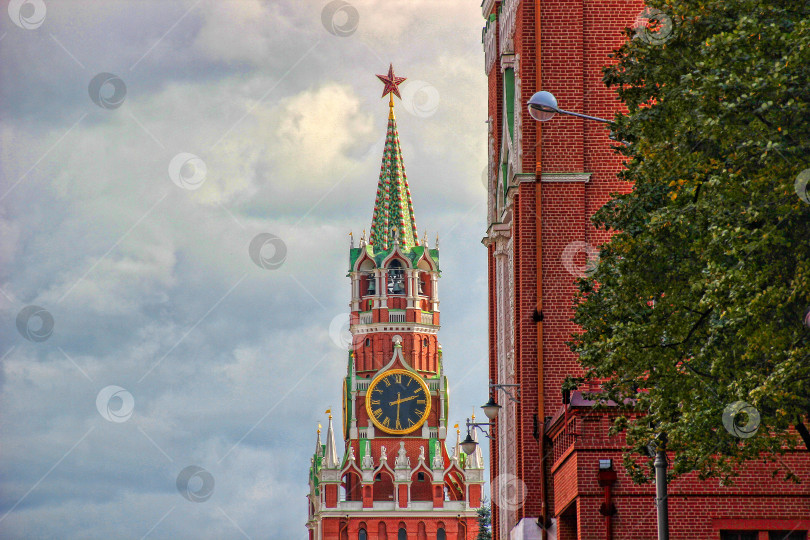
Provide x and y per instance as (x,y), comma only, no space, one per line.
(398,401)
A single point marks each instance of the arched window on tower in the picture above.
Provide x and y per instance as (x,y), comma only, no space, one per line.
(402,534)
(361,535)
(396,278)
(368,281)
(423,278)
(440,534)
(372,283)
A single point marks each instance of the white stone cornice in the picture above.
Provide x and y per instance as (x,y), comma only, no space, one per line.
(507,61)
(566,177)
(357,329)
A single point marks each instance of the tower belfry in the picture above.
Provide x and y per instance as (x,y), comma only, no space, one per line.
(396,478)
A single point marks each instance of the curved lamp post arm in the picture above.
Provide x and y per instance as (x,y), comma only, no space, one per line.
(543,107)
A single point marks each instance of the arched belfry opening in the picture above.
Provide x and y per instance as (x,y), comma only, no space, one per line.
(396,278)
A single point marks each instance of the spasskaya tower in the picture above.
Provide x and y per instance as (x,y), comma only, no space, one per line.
(396,479)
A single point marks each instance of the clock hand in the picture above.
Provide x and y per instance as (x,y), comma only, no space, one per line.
(403,400)
(398,402)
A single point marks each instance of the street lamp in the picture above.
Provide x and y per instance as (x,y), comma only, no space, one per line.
(543,107)
(468,444)
(491,408)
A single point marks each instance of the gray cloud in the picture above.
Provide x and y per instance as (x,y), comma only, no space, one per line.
(140,274)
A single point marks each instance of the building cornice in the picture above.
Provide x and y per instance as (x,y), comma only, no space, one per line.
(566,177)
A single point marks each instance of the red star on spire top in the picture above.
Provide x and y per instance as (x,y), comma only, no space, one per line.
(391,82)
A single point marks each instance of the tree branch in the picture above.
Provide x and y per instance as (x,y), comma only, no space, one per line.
(804,433)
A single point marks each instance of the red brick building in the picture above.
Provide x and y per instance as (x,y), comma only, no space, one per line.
(396,479)
(543,185)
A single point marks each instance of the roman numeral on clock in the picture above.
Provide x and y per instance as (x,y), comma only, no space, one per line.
(398,425)
(377,413)
(387,422)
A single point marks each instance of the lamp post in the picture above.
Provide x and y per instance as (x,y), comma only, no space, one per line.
(468,444)
(491,409)
(661,496)
(543,107)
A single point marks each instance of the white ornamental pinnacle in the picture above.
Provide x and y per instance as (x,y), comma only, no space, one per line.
(457,449)
(383,456)
(421,453)
(351,453)
(318,444)
(331,459)
(402,461)
(438,461)
(368,461)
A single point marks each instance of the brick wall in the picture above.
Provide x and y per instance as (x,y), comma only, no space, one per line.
(576,39)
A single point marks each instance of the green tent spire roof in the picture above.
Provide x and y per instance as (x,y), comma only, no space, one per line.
(393,209)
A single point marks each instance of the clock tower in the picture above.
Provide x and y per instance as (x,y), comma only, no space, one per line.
(396,479)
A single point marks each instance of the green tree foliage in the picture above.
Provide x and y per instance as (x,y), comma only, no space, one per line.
(484,521)
(699,299)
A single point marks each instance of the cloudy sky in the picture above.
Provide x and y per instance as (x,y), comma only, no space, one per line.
(144,145)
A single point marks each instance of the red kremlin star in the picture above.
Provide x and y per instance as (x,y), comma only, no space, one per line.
(391,82)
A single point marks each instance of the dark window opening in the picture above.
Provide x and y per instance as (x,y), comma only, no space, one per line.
(425,342)
(378,477)
(738,535)
(402,534)
(361,535)
(441,535)
(368,342)
(420,476)
(787,535)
